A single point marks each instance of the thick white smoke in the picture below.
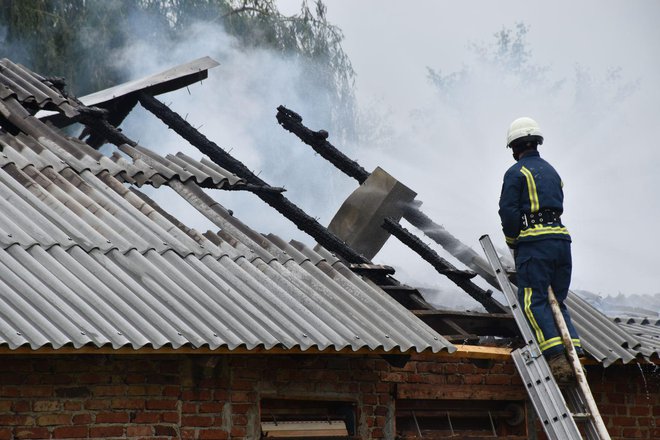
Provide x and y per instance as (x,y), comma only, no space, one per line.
(446,143)
(597,104)
(235,108)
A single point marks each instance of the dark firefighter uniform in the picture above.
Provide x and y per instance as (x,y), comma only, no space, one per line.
(530,207)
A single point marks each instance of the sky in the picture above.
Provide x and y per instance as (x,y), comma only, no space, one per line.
(591,80)
(606,157)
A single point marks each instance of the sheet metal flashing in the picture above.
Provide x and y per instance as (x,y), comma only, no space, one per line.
(162,82)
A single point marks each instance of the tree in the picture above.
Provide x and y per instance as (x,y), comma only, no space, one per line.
(71,38)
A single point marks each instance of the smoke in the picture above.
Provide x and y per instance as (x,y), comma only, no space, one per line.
(443,135)
(448,144)
(235,108)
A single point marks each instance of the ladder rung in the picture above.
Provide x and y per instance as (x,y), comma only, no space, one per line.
(581,416)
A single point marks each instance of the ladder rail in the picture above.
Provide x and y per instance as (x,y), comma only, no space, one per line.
(574,361)
(559,423)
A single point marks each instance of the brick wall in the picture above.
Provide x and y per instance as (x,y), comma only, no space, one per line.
(163,397)
(628,398)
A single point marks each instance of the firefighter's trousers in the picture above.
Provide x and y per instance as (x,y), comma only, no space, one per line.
(540,264)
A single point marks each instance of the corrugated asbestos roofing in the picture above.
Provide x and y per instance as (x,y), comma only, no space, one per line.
(87,260)
(648,332)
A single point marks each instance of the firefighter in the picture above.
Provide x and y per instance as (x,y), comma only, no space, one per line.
(531,204)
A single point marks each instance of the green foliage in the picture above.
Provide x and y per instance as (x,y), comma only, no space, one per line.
(73,38)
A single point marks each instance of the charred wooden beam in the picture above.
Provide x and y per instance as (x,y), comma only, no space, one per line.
(483,324)
(95,120)
(303,221)
(459,277)
(251,188)
(292,122)
(115,115)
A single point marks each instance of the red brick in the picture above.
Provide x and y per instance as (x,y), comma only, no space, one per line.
(137,431)
(6,434)
(82,419)
(16,420)
(110,390)
(473,379)
(5,405)
(54,419)
(37,391)
(238,431)
(97,404)
(46,405)
(243,397)
(633,433)
(241,408)
(381,411)
(624,421)
(171,391)
(498,379)
(162,404)
(393,377)
(166,430)
(196,395)
(146,417)
(170,416)
(72,405)
(214,434)
(188,433)
(127,403)
(189,407)
(239,420)
(106,431)
(639,411)
(197,420)
(70,432)
(37,433)
(21,406)
(113,417)
(211,407)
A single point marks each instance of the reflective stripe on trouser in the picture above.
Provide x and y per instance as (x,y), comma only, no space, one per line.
(540,264)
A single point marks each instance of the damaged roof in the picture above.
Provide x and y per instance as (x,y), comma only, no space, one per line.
(87,260)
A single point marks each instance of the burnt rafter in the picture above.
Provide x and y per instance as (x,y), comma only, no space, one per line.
(292,122)
(302,220)
(459,277)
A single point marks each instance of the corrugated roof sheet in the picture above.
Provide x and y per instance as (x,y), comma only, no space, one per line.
(86,261)
(31,89)
(603,340)
(648,332)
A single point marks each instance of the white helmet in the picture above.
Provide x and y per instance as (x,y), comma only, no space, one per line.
(522,127)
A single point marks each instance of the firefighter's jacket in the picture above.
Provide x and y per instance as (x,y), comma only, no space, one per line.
(530,186)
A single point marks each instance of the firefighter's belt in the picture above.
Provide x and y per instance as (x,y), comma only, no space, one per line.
(543,217)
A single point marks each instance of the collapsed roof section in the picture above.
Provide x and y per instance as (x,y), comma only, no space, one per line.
(88,261)
(604,340)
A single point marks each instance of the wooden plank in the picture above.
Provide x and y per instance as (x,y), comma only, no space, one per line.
(461,392)
(330,428)
(463,351)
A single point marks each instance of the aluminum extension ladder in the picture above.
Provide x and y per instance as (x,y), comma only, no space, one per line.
(559,413)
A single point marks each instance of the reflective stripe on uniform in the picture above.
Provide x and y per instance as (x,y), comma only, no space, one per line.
(553,342)
(509,240)
(531,189)
(530,316)
(542,230)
